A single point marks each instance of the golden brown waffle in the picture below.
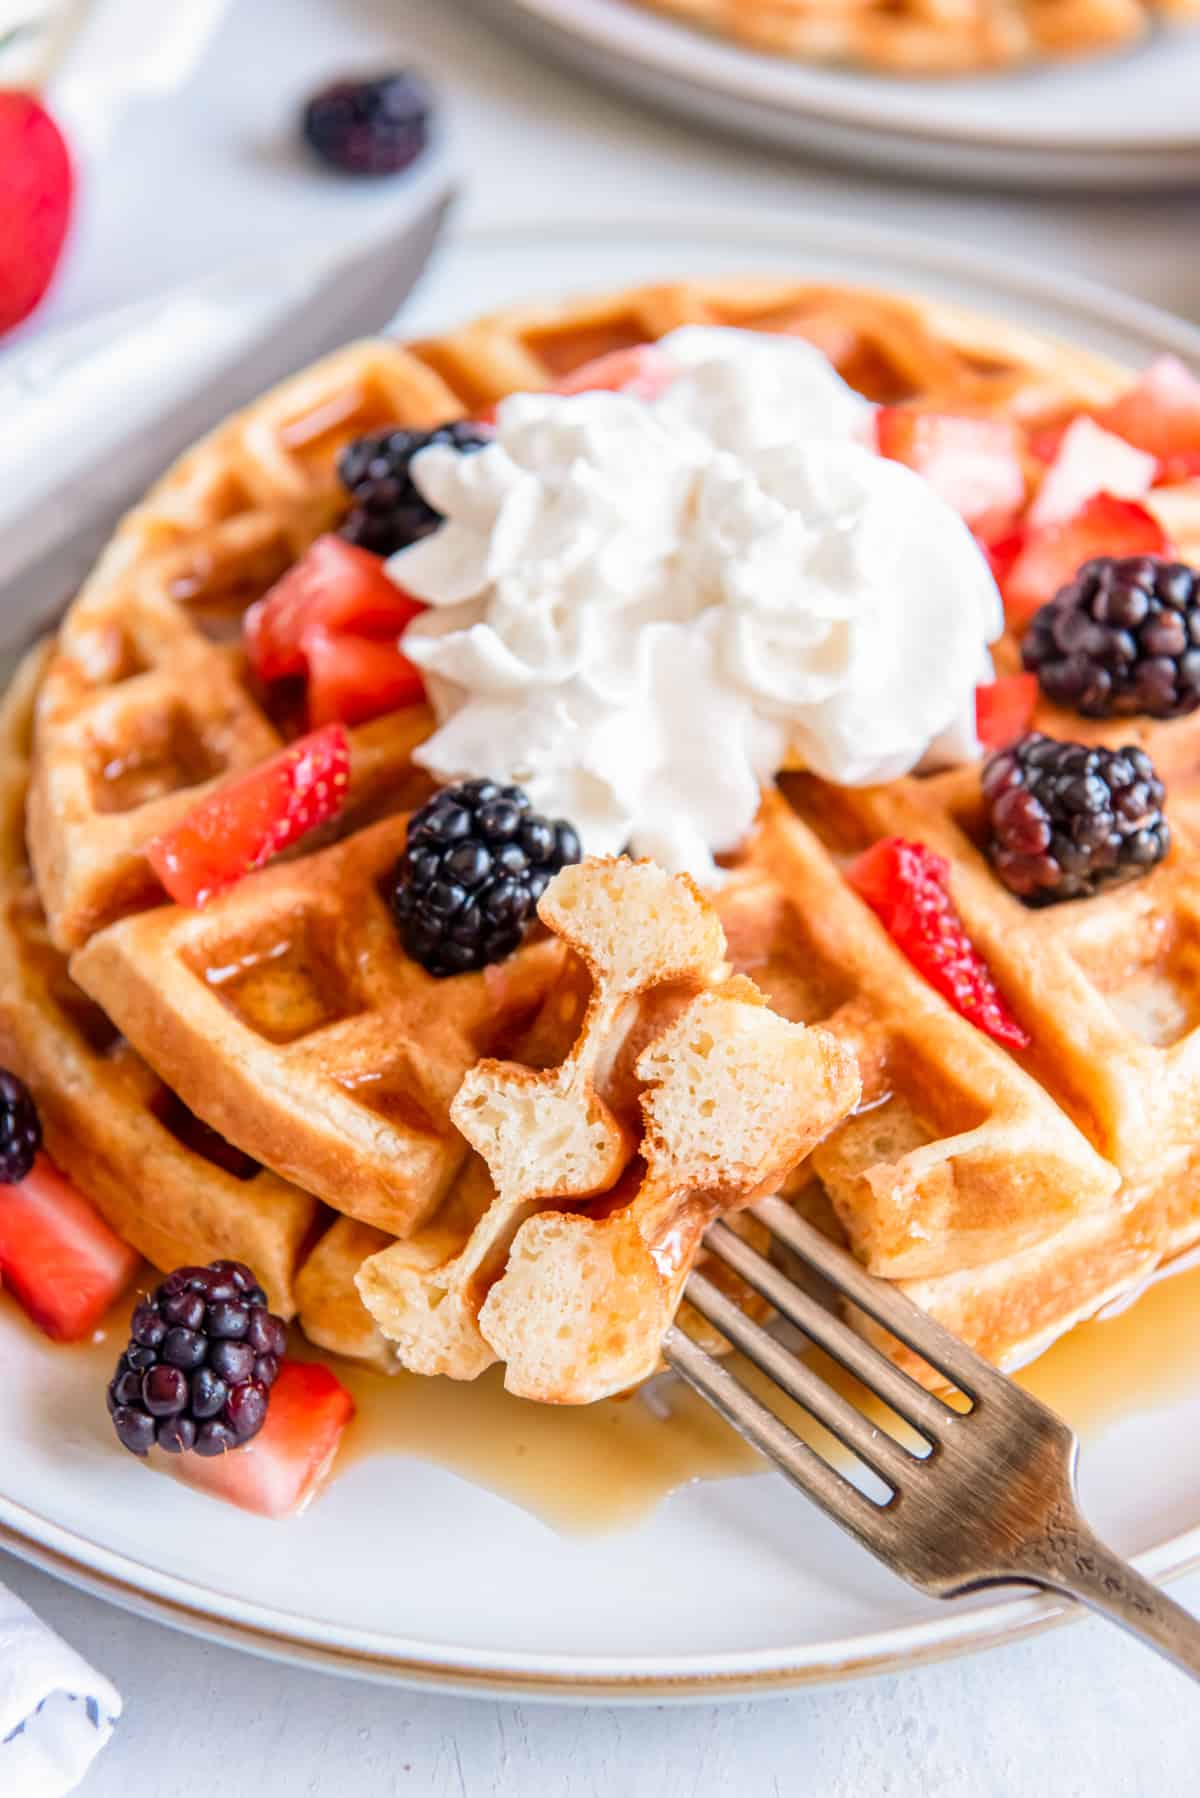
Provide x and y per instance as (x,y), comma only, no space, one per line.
(928,37)
(286,1016)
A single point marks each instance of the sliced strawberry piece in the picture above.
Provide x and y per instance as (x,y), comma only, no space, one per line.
(1000,535)
(1183,465)
(58,1257)
(245,823)
(643,370)
(907,886)
(1004,709)
(1045,440)
(334,587)
(280,1470)
(1089,461)
(974,463)
(1051,556)
(352,679)
(36,200)
(1161,413)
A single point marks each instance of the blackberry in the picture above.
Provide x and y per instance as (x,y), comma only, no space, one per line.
(388,512)
(372,127)
(1066,820)
(1122,637)
(203,1354)
(476,862)
(20,1130)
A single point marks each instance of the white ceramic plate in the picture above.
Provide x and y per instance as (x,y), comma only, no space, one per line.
(1105,123)
(406,1572)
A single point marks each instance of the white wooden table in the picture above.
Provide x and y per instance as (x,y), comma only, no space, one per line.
(1079,1713)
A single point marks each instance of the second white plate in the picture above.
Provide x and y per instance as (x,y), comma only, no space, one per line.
(1105,124)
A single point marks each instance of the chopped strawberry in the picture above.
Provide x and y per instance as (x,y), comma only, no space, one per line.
(1004,709)
(907,885)
(1161,413)
(1000,536)
(352,679)
(1051,556)
(254,817)
(36,200)
(1089,461)
(1044,441)
(974,463)
(643,370)
(336,589)
(1184,465)
(58,1257)
(279,1471)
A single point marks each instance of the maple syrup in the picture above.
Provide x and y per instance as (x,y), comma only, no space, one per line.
(591,1468)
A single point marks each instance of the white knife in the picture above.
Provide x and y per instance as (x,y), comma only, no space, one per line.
(90,416)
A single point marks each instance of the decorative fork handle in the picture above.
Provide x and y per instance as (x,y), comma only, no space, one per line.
(1069,1559)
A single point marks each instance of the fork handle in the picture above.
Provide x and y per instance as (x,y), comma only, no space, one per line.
(1071,1560)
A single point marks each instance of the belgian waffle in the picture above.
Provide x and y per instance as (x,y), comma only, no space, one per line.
(1010,1195)
(928,37)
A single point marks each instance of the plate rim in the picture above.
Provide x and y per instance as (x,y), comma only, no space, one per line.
(183,1604)
(686,54)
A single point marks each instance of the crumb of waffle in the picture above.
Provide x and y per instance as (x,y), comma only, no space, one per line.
(730,1096)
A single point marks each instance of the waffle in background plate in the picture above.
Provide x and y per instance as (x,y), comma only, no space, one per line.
(286,1016)
(928,37)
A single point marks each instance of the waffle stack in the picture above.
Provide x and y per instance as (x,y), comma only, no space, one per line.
(929,37)
(271,1078)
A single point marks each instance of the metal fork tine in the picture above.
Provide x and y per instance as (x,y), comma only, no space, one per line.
(872,1524)
(872,1445)
(889,1307)
(925,1412)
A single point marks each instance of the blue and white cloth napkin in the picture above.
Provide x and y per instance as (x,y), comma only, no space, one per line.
(56,1712)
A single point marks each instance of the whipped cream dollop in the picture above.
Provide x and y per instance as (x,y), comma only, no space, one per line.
(642,609)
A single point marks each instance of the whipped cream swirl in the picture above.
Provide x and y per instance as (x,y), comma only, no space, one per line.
(642,610)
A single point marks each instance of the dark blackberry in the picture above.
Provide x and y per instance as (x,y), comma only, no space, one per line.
(1066,821)
(371,127)
(20,1130)
(477,861)
(203,1354)
(388,513)
(1122,637)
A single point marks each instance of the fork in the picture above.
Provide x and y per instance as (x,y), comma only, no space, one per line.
(993,1500)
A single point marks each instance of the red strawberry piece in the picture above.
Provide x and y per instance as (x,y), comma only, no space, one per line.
(643,370)
(1161,413)
(1004,709)
(974,463)
(1052,554)
(254,817)
(907,885)
(335,587)
(1184,465)
(355,678)
(279,1471)
(1088,461)
(36,192)
(58,1257)
(1044,441)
